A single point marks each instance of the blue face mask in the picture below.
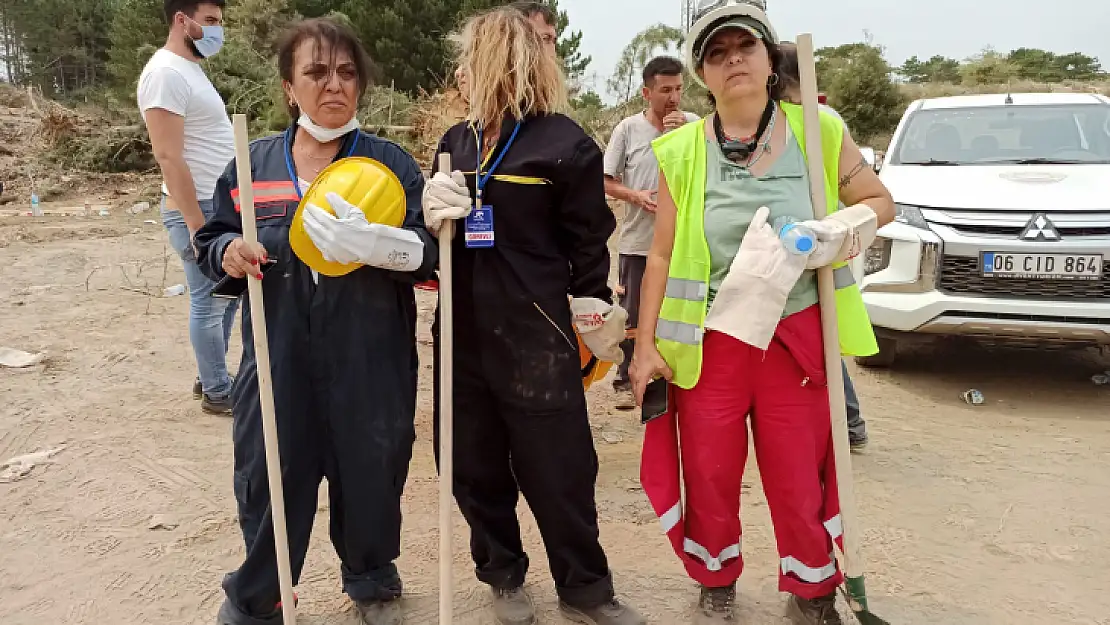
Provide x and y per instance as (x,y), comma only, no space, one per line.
(212,39)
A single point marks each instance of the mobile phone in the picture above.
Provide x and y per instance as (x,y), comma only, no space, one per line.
(656,400)
(233,288)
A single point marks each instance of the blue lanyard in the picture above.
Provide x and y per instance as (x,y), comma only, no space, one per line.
(480,180)
(293,172)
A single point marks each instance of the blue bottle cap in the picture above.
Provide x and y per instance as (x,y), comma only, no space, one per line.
(804,244)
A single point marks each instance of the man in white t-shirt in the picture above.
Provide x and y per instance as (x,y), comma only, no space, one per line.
(632,176)
(193,143)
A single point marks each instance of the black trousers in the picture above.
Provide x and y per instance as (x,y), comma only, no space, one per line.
(365,461)
(512,437)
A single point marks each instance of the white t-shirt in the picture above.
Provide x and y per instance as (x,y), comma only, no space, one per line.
(629,157)
(180,86)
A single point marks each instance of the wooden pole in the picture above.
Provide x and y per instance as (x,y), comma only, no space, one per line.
(827,294)
(265,382)
(446,412)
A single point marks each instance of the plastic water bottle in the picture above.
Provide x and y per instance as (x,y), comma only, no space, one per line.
(36,210)
(797,238)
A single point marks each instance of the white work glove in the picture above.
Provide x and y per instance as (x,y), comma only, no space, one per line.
(842,235)
(349,238)
(750,301)
(601,326)
(445,197)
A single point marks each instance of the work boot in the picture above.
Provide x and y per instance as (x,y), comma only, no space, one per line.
(513,607)
(820,611)
(611,612)
(216,406)
(232,615)
(716,606)
(380,612)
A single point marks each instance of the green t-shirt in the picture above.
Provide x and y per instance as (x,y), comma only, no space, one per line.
(733,195)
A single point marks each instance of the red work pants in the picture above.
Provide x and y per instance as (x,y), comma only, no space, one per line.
(784,391)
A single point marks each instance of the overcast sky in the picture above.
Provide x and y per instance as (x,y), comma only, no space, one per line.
(954,28)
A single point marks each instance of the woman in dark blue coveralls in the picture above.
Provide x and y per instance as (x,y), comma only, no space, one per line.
(342,350)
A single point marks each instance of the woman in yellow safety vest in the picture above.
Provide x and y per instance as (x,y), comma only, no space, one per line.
(730,318)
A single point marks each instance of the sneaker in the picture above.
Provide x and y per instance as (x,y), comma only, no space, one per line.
(858,444)
(216,406)
(380,612)
(716,606)
(612,612)
(513,607)
(819,611)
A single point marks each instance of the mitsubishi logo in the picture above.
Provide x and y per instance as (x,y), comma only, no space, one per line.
(1040,228)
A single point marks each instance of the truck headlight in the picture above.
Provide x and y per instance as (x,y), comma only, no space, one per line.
(910,215)
(877,257)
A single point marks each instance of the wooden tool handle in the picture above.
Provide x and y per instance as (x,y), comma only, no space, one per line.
(265,382)
(446,412)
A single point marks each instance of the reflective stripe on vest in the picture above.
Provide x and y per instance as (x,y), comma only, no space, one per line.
(679,331)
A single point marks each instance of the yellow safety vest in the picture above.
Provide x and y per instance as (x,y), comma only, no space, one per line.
(678,335)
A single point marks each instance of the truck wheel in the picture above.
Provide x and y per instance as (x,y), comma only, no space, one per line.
(888,351)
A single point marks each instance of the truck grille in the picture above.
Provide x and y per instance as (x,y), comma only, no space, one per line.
(962,275)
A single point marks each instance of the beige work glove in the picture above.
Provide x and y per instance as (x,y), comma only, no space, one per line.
(445,197)
(842,235)
(601,327)
(753,295)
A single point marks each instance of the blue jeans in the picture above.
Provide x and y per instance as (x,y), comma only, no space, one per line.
(210,318)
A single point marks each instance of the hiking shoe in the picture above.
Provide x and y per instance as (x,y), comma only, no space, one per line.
(820,611)
(612,612)
(216,406)
(622,385)
(857,443)
(380,612)
(513,607)
(716,606)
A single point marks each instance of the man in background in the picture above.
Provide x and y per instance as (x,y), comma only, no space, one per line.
(789,74)
(632,176)
(193,142)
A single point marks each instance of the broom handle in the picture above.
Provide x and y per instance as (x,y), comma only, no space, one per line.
(827,293)
(446,410)
(265,384)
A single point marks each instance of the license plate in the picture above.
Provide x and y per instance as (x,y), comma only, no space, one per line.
(1042,266)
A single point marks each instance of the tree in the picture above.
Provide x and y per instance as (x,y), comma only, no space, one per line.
(857,79)
(637,54)
(137,31)
(988,68)
(568,45)
(936,69)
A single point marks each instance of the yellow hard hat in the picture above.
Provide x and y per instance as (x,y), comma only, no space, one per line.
(593,368)
(364,182)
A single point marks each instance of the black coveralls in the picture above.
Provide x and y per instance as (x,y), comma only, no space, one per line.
(344,366)
(520,409)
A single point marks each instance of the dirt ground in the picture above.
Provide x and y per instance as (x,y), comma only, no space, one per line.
(994,514)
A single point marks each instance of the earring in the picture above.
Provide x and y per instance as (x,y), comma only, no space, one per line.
(773,80)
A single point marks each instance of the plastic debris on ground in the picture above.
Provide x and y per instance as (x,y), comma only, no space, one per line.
(18,359)
(974,397)
(17,468)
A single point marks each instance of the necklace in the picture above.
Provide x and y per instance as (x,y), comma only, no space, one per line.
(764,147)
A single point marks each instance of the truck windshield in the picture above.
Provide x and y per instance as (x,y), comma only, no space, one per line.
(1007,134)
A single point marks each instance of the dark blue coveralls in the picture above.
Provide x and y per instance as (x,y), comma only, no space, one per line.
(344,369)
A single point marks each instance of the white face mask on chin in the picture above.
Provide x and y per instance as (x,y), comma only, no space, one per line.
(327,135)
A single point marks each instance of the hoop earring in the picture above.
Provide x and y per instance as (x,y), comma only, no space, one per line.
(773,80)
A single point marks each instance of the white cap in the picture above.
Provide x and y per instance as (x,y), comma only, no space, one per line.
(715,16)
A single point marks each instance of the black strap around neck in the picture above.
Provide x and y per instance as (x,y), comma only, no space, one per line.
(736,150)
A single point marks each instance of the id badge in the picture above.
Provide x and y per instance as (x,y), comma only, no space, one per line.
(479,227)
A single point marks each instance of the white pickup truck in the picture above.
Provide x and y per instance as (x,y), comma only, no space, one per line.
(1003,226)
